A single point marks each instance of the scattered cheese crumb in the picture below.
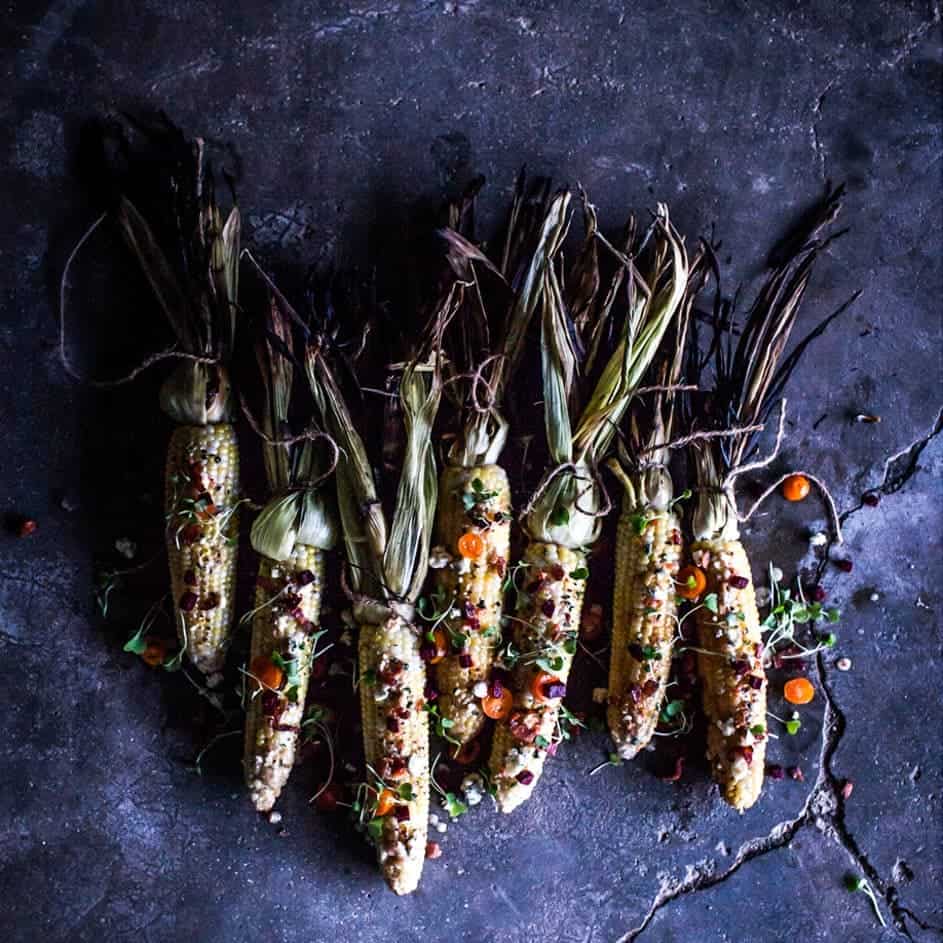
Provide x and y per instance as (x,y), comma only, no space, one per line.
(818,539)
(843,664)
(480,689)
(274,817)
(874,597)
(441,828)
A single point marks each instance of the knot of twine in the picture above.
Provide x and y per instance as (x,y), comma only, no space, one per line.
(311,434)
(368,610)
(595,482)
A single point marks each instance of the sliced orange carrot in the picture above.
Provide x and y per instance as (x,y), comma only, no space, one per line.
(385,802)
(441,646)
(691,582)
(541,685)
(471,545)
(497,708)
(799,691)
(796,488)
(266,672)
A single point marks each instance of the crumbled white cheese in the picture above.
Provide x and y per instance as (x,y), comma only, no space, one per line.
(274,817)
(415,765)
(480,689)
(818,539)
(442,828)
(439,557)
(843,664)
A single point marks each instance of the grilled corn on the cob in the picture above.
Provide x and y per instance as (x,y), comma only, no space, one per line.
(475,502)
(202,484)
(545,627)
(287,609)
(396,742)
(644,623)
(733,677)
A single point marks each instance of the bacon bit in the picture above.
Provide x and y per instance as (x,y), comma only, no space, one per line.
(745,752)
(547,607)
(847,788)
(676,773)
(433,850)
(188,601)
(795,772)
(775,771)
(524,725)
(675,537)
(871,499)
(209,601)
(739,582)
(650,687)
(846,566)
(557,572)
(401,812)
(329,798)
(525,777)
(500,565)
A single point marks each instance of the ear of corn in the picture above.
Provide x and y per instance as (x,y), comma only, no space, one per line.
(202,483)
(644,622)
(471,501)
(545,626)
(287,609)
(734,680)
(396,743)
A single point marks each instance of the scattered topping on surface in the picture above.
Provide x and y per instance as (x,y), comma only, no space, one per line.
(796,488)
(775,771)
(433,850)
(188,601)
(847,788)
(843,664)
(818,539)
(266,672)
(27,528)
(846,566)
(871,499)
(855,884)
(795,772)
(798,691)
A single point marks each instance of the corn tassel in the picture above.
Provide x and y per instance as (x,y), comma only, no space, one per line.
(644,622)
(286,613)
(201,506)
(476,501)
(545,627)
(734,680)
(396,743)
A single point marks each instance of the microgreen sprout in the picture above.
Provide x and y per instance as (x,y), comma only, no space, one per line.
(613,760)
(108,581)
(792,725)
(566,722)
(453,805)
(855,884)
(441,724)
(790,610)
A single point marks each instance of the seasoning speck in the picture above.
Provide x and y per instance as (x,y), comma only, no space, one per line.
(274,817)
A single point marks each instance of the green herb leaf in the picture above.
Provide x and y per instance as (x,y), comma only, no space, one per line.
(671,710)
(580,573)
(710,602)
(375,828)
(833,615)
(541,741)
(758,730)
(405,791)
(454,806)
(136,643)
(639,522)
(792,727)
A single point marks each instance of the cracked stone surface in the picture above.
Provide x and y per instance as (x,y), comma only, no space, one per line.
(348,123)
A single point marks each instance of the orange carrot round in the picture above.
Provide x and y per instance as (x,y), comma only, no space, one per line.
(497,708)
(470,545)
(799,691)
(385,802)
(266,672)
(691,582)
(796,488)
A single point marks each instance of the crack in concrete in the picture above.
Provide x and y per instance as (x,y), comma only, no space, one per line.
(909,41)
(818,149)
(824,806)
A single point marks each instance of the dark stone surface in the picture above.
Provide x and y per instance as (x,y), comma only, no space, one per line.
(351,120)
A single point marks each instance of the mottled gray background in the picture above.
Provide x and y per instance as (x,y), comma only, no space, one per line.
(349,119)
